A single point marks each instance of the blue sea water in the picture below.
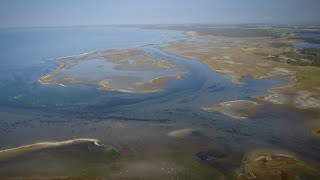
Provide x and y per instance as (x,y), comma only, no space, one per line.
(31,45)
(306,45)
(24,53)
(23,50)
(311,35)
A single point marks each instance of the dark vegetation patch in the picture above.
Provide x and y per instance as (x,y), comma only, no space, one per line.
(304,57)
(279,45)
(301,57)
(219,160)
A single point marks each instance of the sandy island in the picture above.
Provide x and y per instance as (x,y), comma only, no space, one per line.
(152,86)
(240,109)
(119,62)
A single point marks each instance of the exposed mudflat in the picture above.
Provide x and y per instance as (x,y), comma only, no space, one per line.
(301,99)
(182,133)
(273,165)
(239,109)
(128,70)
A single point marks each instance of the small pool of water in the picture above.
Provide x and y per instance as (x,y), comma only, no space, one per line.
(315,36)
(306,45)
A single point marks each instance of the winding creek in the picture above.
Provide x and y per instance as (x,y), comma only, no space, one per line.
(137,124)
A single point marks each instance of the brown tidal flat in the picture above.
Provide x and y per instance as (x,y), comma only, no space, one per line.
(275,165)
(315,131)
(152,86)
(122,61)
(240,109)
(182,133)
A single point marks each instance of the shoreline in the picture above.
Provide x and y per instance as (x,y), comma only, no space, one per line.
(101,85)
(53,73)
(235,68)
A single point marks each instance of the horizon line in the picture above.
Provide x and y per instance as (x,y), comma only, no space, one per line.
(168,24)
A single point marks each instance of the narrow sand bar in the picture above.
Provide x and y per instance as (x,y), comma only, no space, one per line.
(13,152)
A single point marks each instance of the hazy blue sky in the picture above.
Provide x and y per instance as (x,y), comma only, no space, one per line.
(87,12)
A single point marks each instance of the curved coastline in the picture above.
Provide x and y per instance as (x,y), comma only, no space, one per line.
(45,80)
(234,67)
(159,82)
(150,86)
